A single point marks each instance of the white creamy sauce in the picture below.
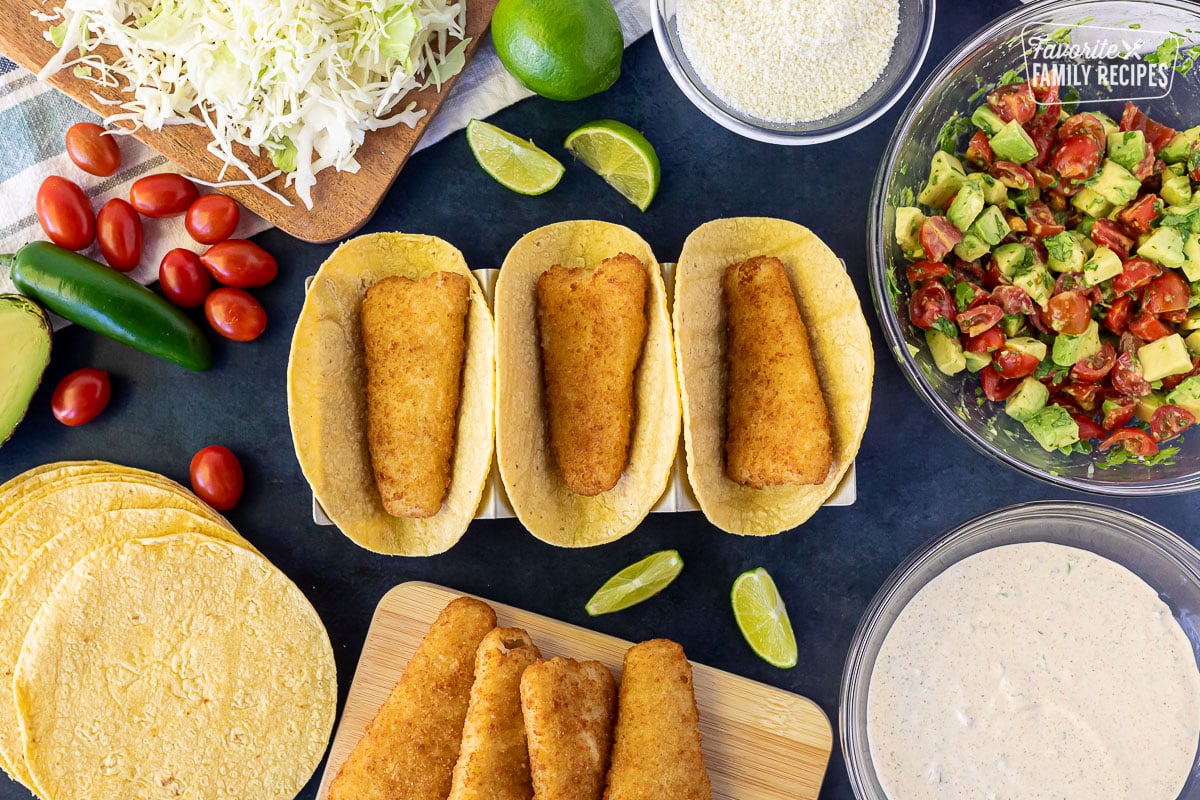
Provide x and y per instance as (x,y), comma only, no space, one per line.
(1034,671)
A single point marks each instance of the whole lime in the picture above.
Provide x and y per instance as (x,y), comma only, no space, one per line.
(561,49)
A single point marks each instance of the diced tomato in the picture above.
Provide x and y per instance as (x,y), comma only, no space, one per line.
(1045,87)
(1070,281)
(1014,176)
(1135,440)
(1146,326)
(986,342)
(1084,124)
(1171,381)
(1127,377)
(1107,233)
(1041,131)
(1144,168)
(1085,395)
(1014,101)
(1036,248)
(930,303)
(975,295)
(1174,317)
(1069,313)
(1095,367)
(1135,273)
(1014,364)
(1167,293)
(938,237)
(975,321)
(996,387)
(1041,221)
(1076,158)
(1117,412)
(922,271)
(1158,136)
(1088,429)
(979,150)
(1170,420)
(1012,300)
(1140,214)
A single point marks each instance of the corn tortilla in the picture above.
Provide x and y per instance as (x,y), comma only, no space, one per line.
(841,349)
(535,488)
(327,402)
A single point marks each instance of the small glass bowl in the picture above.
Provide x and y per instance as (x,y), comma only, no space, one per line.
(1156,555)
(908,53)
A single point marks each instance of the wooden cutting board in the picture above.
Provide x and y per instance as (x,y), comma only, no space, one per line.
(342,202)
(760,743)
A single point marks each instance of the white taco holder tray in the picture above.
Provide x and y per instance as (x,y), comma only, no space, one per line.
(678,496)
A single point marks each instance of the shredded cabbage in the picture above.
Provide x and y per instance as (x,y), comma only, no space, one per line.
(301,79)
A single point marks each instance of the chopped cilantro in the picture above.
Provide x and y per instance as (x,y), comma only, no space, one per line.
(1062,35)
(1070,100)
(955,127)
(1165,54)
(906,196)
(1119,455)
(1012,76)
(964,293)
(1186,224)
(945,327)
(1059,246)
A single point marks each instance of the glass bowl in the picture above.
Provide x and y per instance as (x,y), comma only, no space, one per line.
(954,87)
(908,53)
(1156,555)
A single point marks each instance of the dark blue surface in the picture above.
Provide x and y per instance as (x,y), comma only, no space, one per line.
(915,478)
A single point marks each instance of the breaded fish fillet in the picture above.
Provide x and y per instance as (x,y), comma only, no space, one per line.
(656,753)
(592,325)
(494,761)
(409,749)
(569,709)
(777,425)
(414,335)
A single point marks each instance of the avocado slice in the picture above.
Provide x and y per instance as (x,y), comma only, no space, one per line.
(1012,143)
(26,333)
(1127,148)
(947,352)
(1027,345)
(1053,428)
(1068,348)
(1177,149)
(946,177)
(1187,395)
(1030,397)
(976,361)
(967,205)
(1010,258)
(909,220)
(1115,184)
(1176,189)
(994,192)
(1146,406)
(991,226)
(1166,356)
(1193,342)
(987,120)
(1038,282)
(1104,264)
(1164,246)
(1066,253)
(1092,203)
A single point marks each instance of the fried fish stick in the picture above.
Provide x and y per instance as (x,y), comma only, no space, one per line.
(777,425)
(569,709)
(656,753)
(494,761)
(592,325)
(414,339)
(409,749)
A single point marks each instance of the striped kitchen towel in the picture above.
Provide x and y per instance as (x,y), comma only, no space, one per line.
(34,117)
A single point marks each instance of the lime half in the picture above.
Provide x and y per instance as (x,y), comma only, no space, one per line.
(636,583)
(760,614)
(620,155)
(515,163)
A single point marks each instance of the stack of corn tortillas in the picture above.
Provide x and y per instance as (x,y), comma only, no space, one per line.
(149,650)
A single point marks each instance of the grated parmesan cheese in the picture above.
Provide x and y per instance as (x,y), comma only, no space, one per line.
(788,60)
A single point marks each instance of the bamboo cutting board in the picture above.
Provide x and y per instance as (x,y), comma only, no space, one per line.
(760,743)
(342,202)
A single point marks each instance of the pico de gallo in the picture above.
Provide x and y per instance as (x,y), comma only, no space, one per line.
(1058,259)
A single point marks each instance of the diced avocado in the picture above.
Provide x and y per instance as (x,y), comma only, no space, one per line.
(1164,246)
(967,205)
(1110,125)
(1037,282)
(1092,203)
(1176,189)
(1027,345)
(987,120)
(1027,399)
(1193,342)
(994,192)
(1187,395)
(1192,322)
(977,361)
(1115,184)
(1146,406)
(990,225)
(1010,258)
(1068,349)
(1065,252)
(909,220)
(1053,428)
(1012,143)
(947,352)
(1011,324)
(1103,264)
(971,247)
(1191,257)
(946,177)
(1127,148)
(1177,149)
(1162,357)
(25,332)
(1087,223)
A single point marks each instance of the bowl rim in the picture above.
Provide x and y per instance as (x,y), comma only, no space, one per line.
(878,268)
(856,680)
(673,59)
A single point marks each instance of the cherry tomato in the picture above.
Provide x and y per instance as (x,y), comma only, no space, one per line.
(166,194)
(183,279)
(212,218)
(1084,124)
(1157,136)
(975,321)
(1140,214)
(1107,233)
(1174,317)
(119,233)
(81,396)
(1014,176)
(1095,367)
(979,150)
(1116,319)
(1069,313)
(1170,420)
(930,303)
(1014,101)
(1167,293)
(91,150)
(938,237)
(986,342)
(217,477)
(1086,396)
(1041,221)
(1127,377)
(1088,429)
(65,213)
(1135,440)
(1135,273)
(1041,131)
(1012,300)
(235,314)
(1015,364)
(240,263)
(1117,412)
(922,271)
(1076,158)
(977,297)
(1146,326)
(996,387)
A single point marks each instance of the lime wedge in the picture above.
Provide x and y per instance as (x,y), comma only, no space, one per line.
(636,583)
(760,614)
(620,155)
(514,162)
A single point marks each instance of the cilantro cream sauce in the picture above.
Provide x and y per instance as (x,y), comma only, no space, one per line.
(1034,671)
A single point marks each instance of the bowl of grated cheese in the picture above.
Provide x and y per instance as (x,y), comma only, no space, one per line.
(808,72)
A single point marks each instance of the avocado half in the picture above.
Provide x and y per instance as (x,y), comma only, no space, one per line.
(25,331)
